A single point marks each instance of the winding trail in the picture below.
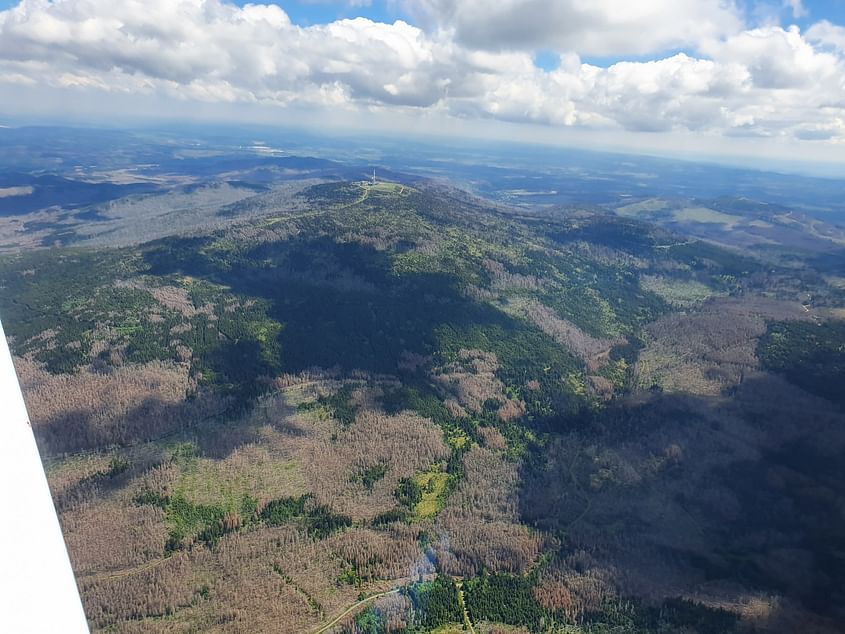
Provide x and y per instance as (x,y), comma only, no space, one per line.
(467,621)
(352,608)
(126,572)
(364,195)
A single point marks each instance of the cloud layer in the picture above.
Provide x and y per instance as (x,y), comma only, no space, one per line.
(607,27)
(465,61)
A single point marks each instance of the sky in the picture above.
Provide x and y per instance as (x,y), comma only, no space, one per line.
(760,79)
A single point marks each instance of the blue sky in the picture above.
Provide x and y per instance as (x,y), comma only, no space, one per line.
(306,13)
(833,10)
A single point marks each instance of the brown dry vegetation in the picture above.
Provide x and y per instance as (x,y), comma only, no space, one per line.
(575,585)
(87,409)
(405,443)
(68,476)
(393,609)
(510,410)
(706,351)
(123,535)
(471,380)
(652,496)
(266,580)
(479,526)
(503,280)
(280,580)
(492,438)
(257,578)
(151,592)
(19,235)
(623,505)
(391,553)
(174,298)
(273,580)
(592,351)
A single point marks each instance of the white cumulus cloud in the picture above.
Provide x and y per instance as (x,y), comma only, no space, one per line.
(589,27)
(765,82)
(797,7)
(826,34)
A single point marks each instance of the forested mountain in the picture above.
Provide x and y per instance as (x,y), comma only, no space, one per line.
(399,404)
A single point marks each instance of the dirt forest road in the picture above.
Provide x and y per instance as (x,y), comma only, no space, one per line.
(352,608)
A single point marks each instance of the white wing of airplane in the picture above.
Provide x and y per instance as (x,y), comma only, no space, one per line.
(38,592)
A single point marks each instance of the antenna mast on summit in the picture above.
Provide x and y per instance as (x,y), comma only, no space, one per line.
(374,176)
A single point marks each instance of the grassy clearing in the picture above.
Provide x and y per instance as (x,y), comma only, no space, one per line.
(704,215)
(433,485)
(457,438)
(220,246)
(501,628)
(679,293)
(249,471)
(644,207)
(760,224)
(390,188)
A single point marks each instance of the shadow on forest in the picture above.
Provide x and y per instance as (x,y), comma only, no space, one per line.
(742,488)
(153,419)
(340,304)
